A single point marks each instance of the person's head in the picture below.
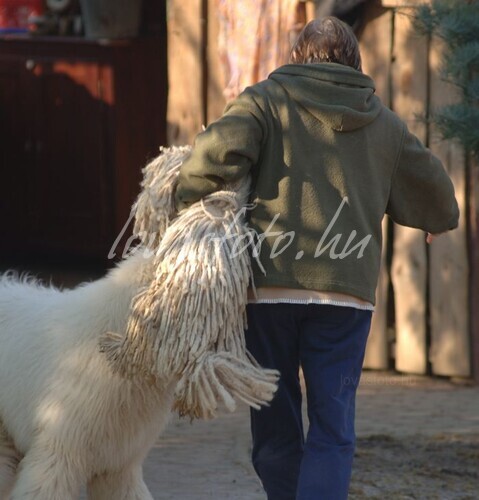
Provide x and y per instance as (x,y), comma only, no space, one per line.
(327,40)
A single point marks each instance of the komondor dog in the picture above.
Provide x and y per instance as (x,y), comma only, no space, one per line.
(89,376)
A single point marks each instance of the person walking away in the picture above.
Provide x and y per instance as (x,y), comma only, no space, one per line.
(327,160)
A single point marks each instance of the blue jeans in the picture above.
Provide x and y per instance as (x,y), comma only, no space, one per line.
(328,342)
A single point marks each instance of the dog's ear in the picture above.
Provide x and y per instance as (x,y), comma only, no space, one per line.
(155,207)
(189,321)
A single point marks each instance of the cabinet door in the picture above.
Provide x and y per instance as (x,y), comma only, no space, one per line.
(70,175)
(16,150)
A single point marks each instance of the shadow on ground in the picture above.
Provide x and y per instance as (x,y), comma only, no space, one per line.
(443,467)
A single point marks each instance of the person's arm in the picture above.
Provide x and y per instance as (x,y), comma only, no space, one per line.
(224,152)
(422,194)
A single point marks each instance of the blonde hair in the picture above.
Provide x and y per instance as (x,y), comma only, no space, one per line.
(327,40)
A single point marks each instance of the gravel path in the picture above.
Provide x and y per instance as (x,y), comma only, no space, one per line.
(418,438)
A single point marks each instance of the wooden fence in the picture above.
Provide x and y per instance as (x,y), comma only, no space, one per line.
(425,320)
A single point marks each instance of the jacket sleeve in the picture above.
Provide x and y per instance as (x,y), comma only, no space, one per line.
(422,194)
(224,152)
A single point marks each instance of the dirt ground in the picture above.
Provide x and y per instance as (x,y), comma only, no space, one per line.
(418,438)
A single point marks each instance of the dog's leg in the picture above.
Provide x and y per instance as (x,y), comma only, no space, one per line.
(9,460)
(126,484)
(44,474)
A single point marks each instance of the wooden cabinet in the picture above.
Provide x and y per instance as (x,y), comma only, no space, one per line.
(78,121)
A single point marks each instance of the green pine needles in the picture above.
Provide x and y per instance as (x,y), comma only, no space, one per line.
(457,23)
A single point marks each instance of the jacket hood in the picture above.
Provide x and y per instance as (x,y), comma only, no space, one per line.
(336,95)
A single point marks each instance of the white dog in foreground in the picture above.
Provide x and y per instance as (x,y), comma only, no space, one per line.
(61,406)
(71,414)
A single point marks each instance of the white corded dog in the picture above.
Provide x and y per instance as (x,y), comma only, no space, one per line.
(86,377)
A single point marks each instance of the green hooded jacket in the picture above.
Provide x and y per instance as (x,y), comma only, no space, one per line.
(328,160)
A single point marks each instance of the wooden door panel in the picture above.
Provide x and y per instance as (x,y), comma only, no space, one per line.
(16,149)
(71,169)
